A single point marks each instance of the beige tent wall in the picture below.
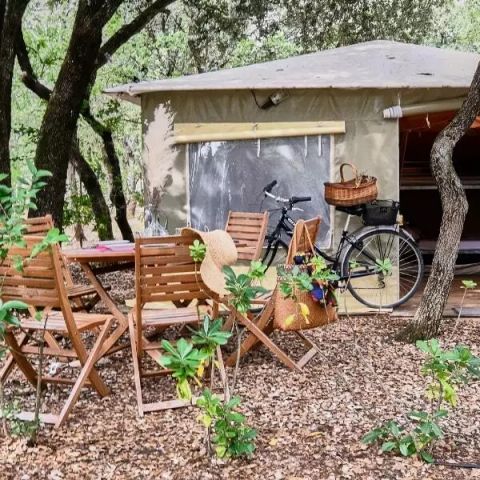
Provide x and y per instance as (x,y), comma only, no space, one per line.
(370,141)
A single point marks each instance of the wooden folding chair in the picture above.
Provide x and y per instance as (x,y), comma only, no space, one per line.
(248,231)
(76,293)
(39,226)
(164,272)
(262,327)
(41,286)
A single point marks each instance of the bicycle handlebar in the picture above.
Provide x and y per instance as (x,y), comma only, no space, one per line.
(300,199)
(268,188)
(291,201)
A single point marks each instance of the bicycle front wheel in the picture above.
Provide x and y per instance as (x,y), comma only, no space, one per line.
(383,268)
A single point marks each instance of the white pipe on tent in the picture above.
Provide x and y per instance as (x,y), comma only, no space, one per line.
(399,111)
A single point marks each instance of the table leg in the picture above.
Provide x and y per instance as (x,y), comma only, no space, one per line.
(110,304)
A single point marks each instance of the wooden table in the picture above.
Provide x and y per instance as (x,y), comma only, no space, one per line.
(94,262)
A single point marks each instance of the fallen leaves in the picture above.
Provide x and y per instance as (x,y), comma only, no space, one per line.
(309,424)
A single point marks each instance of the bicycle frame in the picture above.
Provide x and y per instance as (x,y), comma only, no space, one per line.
(286,225)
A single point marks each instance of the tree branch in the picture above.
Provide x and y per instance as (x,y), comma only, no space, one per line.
(28,77)
(129,30)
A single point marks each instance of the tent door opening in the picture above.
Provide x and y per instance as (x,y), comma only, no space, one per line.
(419,197)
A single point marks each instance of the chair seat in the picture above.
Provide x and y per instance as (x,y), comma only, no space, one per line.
(167,316)
(82,290)
(56,322)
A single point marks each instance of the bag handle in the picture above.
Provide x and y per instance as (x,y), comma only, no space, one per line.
(292,249)
(357,177)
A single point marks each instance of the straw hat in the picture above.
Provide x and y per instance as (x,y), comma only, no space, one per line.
(221,251)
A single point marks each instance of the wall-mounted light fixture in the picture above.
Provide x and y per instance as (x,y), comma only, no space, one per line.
(274,99)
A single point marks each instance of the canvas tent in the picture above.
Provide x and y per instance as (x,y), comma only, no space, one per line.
(210,146)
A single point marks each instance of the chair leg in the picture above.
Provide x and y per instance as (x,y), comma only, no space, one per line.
(10,361)
(280,354)
(87,370)
(251,340)
(136,366)
(22,362)
(313,350)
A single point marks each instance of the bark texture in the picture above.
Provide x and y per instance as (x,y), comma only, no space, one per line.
(60,120)
(428,317)
(117,195)
(85,55)
(11,14)
(100,208)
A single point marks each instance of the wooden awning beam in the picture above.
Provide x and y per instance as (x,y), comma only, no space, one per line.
(205,132)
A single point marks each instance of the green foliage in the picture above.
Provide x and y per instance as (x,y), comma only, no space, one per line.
(257,270)
(446,369)
(184,361)
(187,358)
(469,284)
(310,272)
(198,251)
(8,318)
(210,336)
(294,280)
(17,428)
(231,436)
(242,287)
(15,201)
(77,210)
(385,266)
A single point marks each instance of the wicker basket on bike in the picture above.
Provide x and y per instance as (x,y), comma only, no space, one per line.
(301,309)
(346,193)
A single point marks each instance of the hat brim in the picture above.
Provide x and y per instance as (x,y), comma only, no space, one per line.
(221,251)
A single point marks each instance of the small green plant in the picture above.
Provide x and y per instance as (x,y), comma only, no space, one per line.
(15,201)
(446,370)
(210,336)
(17,428)
(184,360)
(187,359)
(9,318)
(295,280)
(468,284)
(229,433)
(311,275)
(198,251)
(243,287)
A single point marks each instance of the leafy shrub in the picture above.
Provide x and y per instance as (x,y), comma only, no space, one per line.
(231,436)
(446,370)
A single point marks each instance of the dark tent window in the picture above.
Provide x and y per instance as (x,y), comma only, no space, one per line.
(230,175)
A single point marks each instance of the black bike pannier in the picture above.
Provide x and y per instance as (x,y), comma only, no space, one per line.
(380,212)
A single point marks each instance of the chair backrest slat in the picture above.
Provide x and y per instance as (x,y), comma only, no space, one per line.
(165,271)
(41,226)
(248,230)
(36,284)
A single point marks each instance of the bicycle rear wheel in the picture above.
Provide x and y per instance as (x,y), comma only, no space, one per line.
(384,268)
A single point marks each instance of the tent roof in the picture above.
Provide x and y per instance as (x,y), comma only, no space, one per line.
(377,64)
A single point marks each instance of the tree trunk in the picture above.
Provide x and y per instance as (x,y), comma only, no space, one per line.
(11,14)
(100,209)
(428,317)
(117,195)
(60,120)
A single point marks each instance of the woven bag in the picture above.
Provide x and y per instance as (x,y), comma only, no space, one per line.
(288,315)
(320,313)
(347,193)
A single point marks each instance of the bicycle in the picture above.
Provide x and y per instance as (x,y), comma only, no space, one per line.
(381,265)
